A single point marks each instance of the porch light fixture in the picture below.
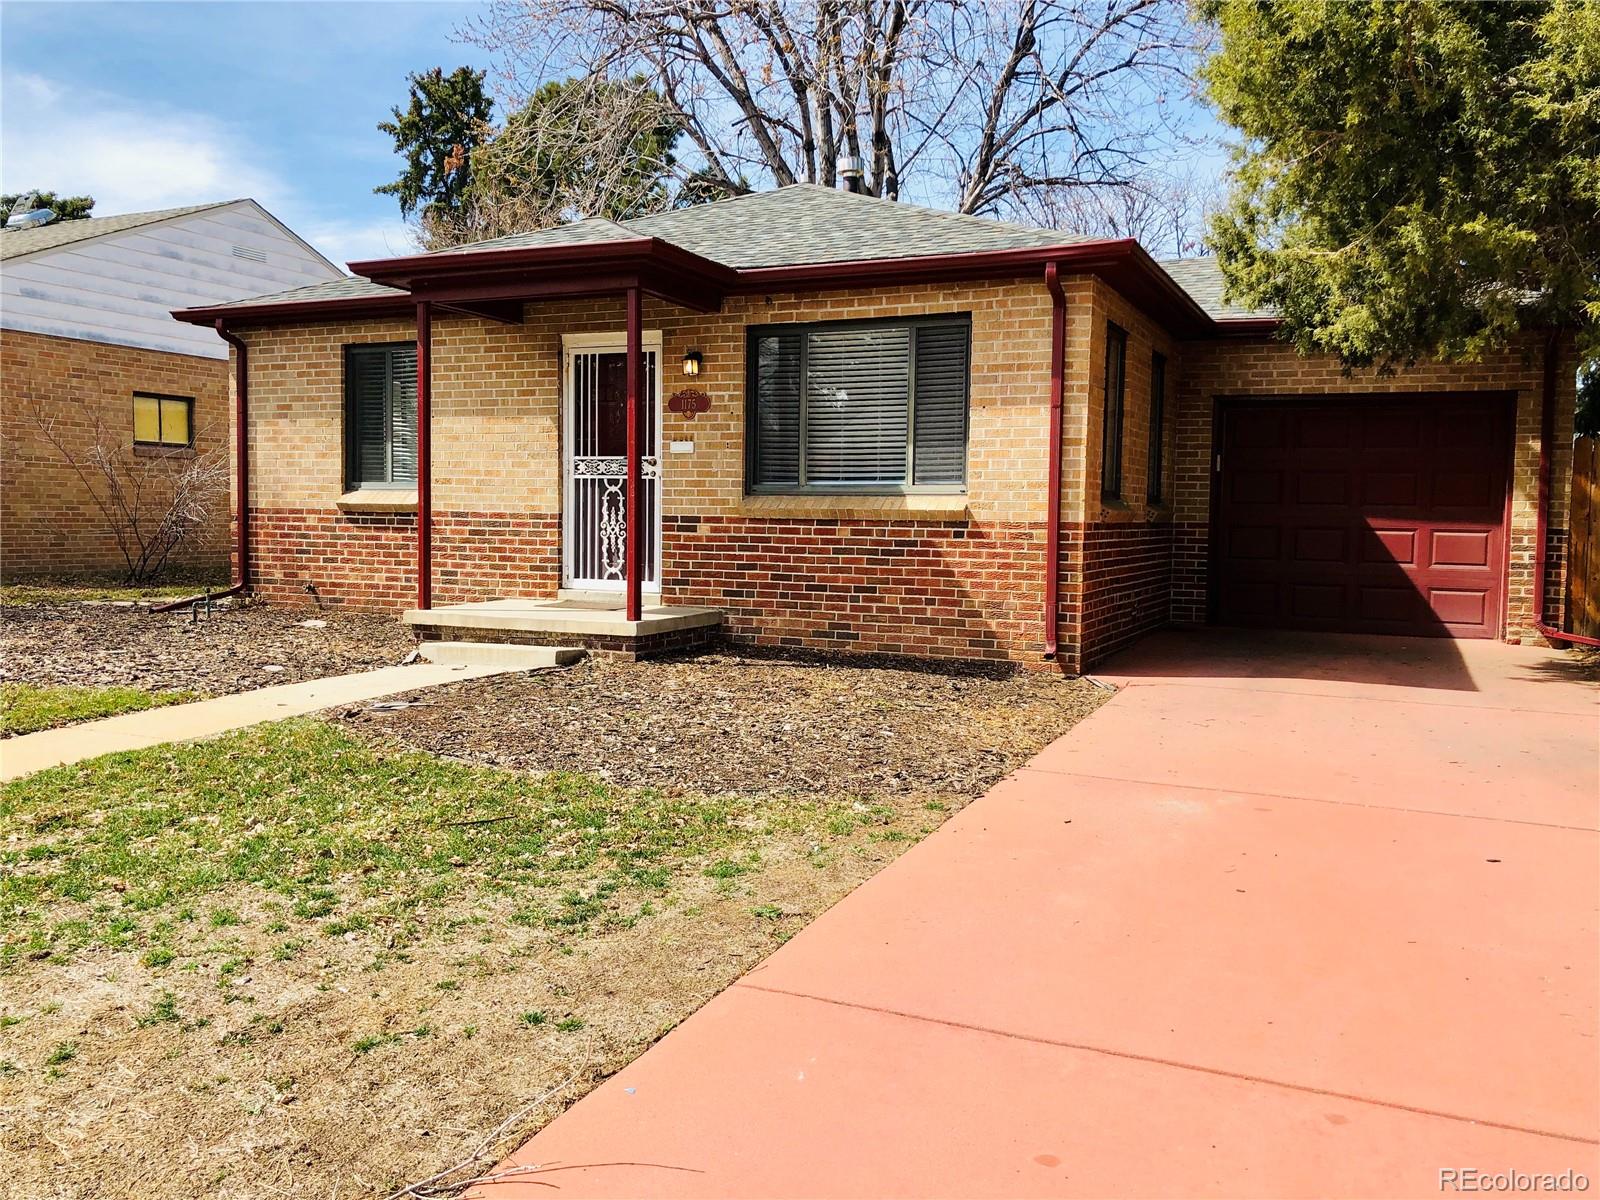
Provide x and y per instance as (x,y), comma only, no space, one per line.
(691,362)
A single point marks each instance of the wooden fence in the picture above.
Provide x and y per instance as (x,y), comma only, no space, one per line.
(1583,540)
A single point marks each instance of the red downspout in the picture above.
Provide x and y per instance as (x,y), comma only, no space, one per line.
(241,472)
(1547,437)
(424,456)
(635,540)
(1052,537)
(241,451)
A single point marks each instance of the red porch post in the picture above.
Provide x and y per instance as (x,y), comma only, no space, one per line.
(635,540)
(424,457)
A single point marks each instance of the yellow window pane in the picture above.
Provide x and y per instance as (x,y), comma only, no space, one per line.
(146,419)
(175,422)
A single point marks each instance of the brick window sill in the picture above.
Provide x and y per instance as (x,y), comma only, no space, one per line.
(150,450)
(911,507)
(378,500)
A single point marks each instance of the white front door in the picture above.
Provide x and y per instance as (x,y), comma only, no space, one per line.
(595,464)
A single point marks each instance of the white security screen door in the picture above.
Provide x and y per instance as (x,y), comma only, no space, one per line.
(594,459)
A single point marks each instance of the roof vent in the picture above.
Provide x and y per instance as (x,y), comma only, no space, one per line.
(31,219)
(850,173)
(251,253)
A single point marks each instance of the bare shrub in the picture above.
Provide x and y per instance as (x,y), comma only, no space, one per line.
(153,504)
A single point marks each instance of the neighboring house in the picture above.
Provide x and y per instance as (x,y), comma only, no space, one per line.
(847,440)
(87,337)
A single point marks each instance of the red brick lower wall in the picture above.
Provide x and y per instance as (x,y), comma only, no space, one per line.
(946,589)
(1127,586)
(939,589)
(1191,550)
(368,561)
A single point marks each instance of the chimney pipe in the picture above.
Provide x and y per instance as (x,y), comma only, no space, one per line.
(850,174)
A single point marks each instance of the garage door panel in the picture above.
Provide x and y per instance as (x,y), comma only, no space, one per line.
(1464,490)
(1323,429)
(1256,487)
(1460,548)
(1455,606)
(1398,546)
(1381,515)
(1322,487)
(1313,545)
(1253,543)
(1391,431)
(1390,489)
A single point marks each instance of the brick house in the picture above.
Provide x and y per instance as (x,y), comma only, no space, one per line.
(862,425)
(87,339)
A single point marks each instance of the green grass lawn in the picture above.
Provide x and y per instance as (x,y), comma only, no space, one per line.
(287,927)
(335,836)
(70,590)
(27,707)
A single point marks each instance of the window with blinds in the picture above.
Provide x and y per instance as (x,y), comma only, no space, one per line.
(859,406)
(1111,434)
(380,385)
(163,420)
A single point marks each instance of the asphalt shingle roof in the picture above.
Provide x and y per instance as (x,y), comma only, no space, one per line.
(791,226)
(794,225)
(1202,279)
(587,232)
(349,288)
(16,242)
(808,223)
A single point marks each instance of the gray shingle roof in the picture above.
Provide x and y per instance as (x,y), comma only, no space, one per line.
(801,223)
(808,223)
(349,288)
(16,242)
(1202,279)
(587,232)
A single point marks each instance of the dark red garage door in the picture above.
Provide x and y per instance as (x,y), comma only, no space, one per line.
(1371,516)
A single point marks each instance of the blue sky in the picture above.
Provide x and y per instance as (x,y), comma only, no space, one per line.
(150,105)
(155,104)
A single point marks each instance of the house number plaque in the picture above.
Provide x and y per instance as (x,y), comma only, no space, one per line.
(688,402)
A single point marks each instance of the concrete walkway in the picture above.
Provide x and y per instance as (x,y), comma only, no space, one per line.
(1289,916)
(206,718)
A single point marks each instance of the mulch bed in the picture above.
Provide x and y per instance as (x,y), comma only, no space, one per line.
(235,649)
(748,722)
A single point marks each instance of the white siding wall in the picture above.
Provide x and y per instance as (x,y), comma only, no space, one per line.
(120,288)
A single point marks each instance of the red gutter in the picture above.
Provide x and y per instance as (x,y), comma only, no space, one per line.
(241,473)
(424,456)
(569,270)
(1052,536)
(1547,437)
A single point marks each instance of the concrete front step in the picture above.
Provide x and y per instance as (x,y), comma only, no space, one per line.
(507,655)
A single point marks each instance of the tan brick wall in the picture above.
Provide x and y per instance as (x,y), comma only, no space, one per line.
(49,523)
(1270,368)
(497,417)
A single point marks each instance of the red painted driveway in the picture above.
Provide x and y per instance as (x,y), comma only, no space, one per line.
(1293,915)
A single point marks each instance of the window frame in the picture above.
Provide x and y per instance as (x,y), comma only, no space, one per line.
(1156,456)
(755,332)
(352,451)
(1112,443)
(161,443)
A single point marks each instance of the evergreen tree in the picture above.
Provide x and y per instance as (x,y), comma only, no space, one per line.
(445,122)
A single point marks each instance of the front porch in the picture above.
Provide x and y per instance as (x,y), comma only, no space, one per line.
(599,625)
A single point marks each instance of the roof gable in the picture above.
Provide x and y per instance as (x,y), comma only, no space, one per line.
(14,243)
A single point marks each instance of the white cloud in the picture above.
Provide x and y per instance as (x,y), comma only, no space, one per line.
(350,241)
(131,158)
(126,156)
